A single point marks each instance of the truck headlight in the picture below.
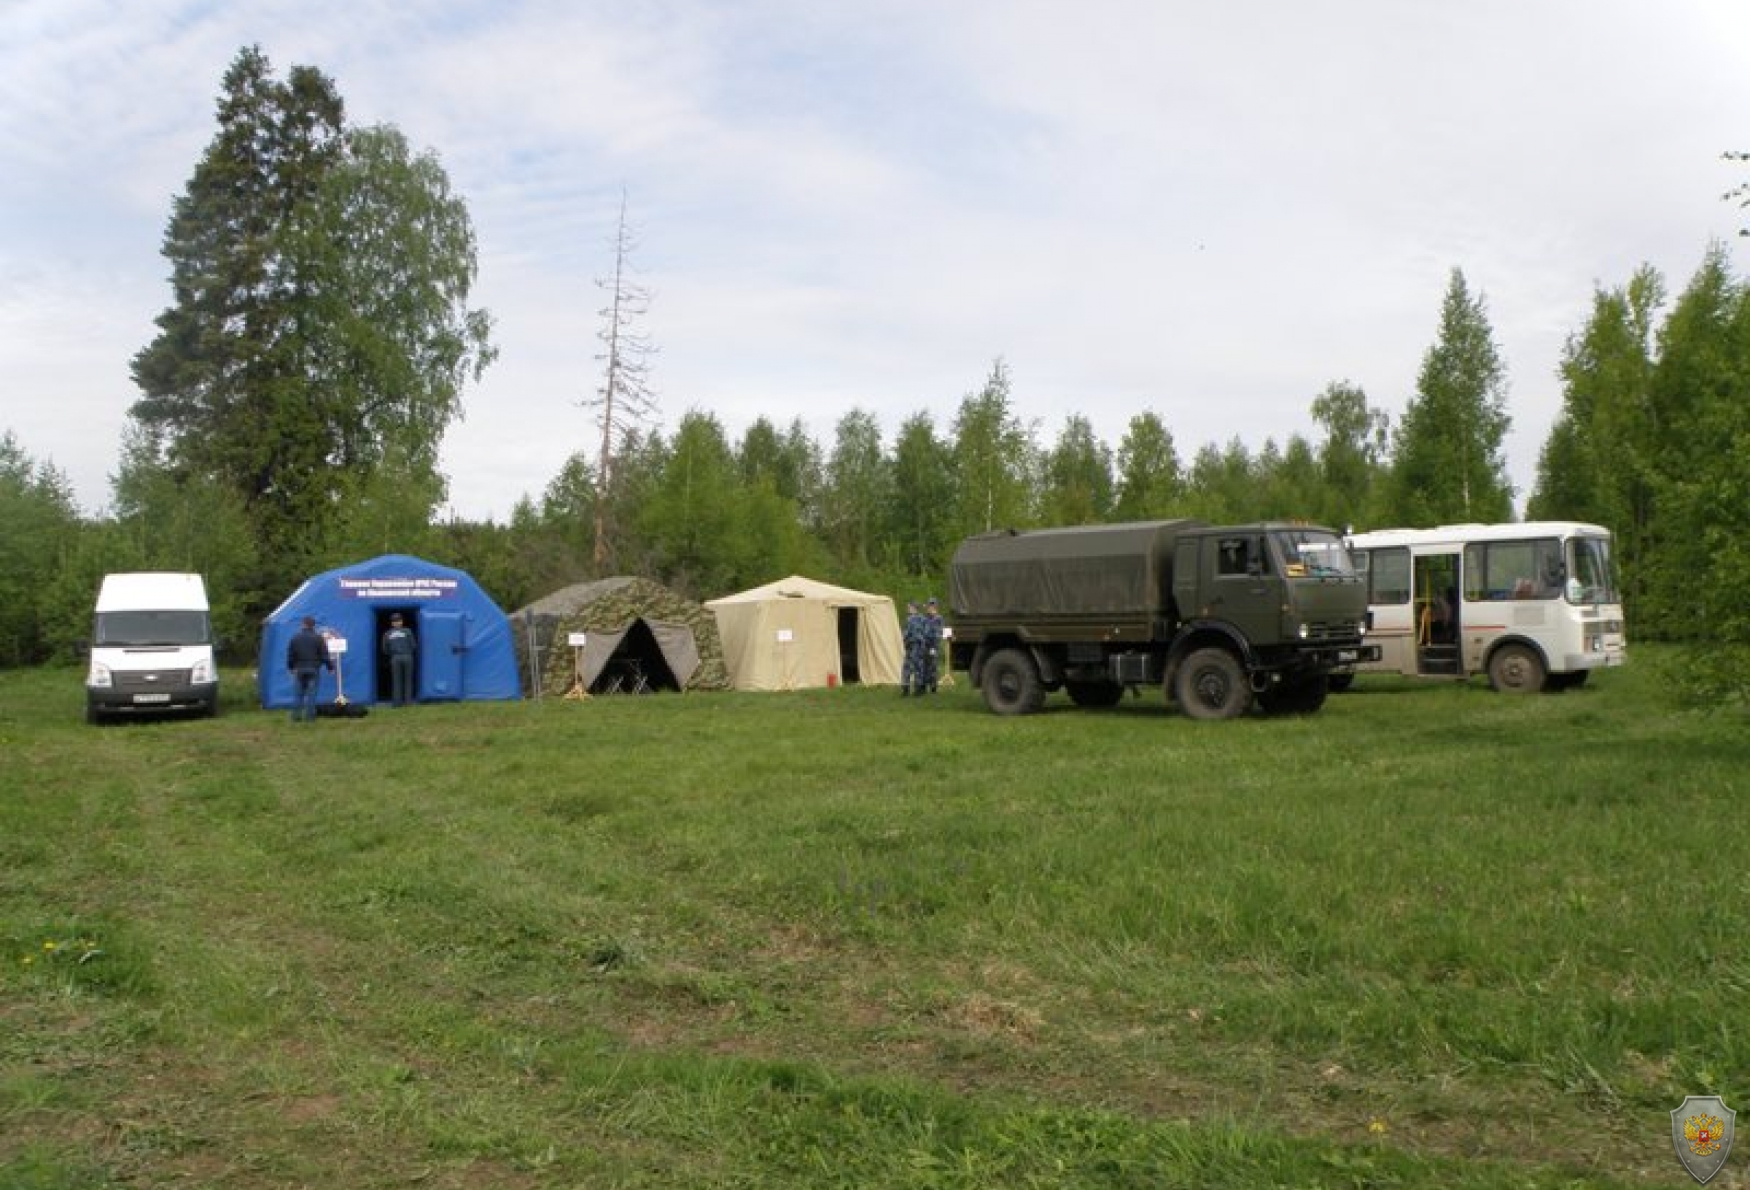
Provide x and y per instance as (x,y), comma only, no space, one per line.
(99,677)
(1303,631)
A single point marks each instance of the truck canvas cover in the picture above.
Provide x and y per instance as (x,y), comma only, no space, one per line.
(1113,570)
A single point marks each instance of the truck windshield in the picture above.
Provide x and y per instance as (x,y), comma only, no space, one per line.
(1591,577)
(152,628)
(1312,553)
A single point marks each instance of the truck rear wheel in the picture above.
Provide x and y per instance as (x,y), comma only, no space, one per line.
(1011,683)
(1211,684)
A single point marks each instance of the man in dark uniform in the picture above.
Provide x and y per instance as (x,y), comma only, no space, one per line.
(400,646)
(932,669)
(911,673)
(306,656)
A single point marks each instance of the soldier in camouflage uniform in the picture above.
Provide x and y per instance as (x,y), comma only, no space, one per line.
(932,663)
(911,674)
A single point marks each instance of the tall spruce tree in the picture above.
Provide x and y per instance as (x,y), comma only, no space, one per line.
(1447,462)
(319,331)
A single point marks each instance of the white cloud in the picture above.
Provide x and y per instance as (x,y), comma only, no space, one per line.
(1209,210)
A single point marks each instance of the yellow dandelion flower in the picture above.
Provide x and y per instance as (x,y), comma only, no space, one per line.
(1378,1127)
(50,945)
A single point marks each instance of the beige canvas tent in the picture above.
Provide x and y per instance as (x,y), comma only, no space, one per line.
(797,633)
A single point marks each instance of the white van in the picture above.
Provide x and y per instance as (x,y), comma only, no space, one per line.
(151,647)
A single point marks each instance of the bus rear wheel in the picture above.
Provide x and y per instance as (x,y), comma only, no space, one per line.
(1516,669)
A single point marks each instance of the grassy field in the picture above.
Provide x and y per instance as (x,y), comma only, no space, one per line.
(1431,936)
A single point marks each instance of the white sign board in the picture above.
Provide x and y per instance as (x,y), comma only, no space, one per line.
(336,645)
(577,639)
(785,636)
(947,634)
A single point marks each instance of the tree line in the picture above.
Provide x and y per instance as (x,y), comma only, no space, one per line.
(319,338)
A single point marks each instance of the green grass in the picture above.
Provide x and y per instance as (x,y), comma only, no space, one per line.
(1430,936)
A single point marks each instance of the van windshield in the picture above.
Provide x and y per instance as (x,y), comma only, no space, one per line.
(182,627)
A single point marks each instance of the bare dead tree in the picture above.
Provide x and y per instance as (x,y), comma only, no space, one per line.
(624,402)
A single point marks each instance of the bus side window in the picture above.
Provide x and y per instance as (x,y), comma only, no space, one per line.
(1388,576)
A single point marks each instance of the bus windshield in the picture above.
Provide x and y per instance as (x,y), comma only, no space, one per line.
(1591,576)
(1313,553)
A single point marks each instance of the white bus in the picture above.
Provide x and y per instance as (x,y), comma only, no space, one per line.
(1535,605)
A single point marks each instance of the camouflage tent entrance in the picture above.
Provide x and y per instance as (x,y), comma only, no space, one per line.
(640,637)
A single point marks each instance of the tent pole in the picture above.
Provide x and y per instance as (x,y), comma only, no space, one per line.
(534,654)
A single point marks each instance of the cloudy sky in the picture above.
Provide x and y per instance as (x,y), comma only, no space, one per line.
(1210,210)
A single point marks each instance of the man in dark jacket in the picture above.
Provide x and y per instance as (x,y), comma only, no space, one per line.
(306,656)
(400,646)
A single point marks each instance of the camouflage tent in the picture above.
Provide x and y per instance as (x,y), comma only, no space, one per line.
(639,637)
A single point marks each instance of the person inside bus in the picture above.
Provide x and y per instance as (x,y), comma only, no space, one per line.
(1444,629)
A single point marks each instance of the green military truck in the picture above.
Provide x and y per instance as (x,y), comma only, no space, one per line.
(1218,616)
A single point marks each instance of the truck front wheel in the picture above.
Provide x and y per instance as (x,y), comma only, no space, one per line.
(1211,684)
(1011,683)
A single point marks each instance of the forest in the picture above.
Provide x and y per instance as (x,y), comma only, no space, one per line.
(318,342)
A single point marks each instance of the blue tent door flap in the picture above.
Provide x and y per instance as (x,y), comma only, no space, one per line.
(442,649)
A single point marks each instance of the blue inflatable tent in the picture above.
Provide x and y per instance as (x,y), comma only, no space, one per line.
(465,645)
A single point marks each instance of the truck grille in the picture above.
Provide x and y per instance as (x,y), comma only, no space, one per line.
(1341,633)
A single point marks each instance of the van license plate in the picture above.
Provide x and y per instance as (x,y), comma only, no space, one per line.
(139,698)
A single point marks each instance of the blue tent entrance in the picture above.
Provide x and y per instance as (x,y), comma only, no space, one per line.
(465,645)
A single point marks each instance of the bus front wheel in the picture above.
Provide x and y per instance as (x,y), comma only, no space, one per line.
(1516,669)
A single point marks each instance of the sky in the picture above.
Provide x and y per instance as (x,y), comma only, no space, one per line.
(1208,210)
